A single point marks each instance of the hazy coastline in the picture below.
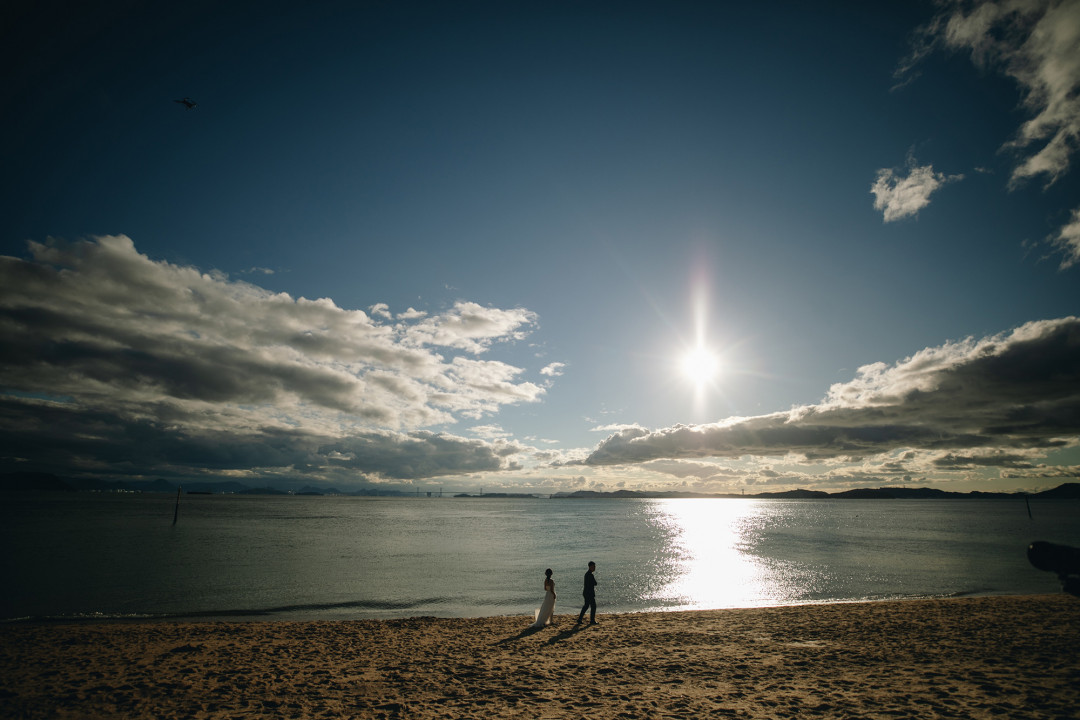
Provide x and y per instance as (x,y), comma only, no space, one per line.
(49,482)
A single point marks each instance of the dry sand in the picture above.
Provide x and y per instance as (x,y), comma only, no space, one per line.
(996,657)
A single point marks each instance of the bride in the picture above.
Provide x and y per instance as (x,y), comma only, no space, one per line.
(544,616)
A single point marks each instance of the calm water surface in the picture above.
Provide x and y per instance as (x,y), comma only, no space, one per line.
(84,554)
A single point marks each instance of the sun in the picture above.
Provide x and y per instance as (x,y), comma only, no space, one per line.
(699,365)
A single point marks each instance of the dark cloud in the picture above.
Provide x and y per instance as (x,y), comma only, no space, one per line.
(418,455)
(1018,390)
(686,469)
(1045,471)
(953,461)
(58,437)
(116,363)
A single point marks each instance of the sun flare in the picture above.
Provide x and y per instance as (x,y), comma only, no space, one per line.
(699,365)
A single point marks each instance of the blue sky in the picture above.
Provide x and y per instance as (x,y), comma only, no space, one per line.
(517,219)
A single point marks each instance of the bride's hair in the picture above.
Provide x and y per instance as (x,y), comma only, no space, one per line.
(548,572)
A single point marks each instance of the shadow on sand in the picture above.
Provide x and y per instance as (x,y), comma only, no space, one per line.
(564,634)
(560,635)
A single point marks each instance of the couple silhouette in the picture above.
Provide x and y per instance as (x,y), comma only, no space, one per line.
(545,615)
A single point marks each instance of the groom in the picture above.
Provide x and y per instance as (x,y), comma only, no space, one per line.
(589,594)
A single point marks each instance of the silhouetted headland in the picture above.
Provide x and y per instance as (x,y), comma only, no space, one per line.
(1067,491)
(48,482)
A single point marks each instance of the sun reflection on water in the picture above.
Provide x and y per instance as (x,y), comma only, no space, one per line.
(710,563)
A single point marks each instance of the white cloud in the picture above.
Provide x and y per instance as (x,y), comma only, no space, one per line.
(479,387)
(620,428)
(689,468)
(204,367)
(1037,43)
(411,314)
(489,432)
(554,369)
(469,326)
(1067,241)
(900,196)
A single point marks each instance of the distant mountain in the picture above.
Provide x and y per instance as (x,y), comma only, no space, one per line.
(312,490)
(922,493)
(229,486)
(95,484)
(791,495)
(866,494)
(578,494)
(158,485)
(496,495)
(48,482)
(23,481)
(1068,491)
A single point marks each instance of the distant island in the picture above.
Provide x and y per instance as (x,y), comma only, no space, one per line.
(47,482)
(1067,491)
(497,495)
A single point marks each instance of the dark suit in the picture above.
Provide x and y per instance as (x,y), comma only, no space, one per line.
(589,593)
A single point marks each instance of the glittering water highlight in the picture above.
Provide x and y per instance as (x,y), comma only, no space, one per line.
(99,555)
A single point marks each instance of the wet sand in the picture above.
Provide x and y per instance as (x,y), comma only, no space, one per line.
(996,657)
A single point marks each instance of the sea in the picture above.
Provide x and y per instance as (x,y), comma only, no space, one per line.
(72,556)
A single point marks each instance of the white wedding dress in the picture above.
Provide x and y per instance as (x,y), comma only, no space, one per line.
(546,611)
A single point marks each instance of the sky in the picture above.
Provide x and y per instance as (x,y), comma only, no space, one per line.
(542,247)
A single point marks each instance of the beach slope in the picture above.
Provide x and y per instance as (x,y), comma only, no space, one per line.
(1001,657)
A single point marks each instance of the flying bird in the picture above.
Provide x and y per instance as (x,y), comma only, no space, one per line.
(187,102)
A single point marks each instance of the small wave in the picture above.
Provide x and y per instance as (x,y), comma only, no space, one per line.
(348,605)
(979,592)
(356,605)
(81,617)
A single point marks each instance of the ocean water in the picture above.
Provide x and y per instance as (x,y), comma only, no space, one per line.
(75,555)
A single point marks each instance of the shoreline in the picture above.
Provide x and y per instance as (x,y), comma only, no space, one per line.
(1010,655)
(295,615)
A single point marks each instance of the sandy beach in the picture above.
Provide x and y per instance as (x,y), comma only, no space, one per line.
(1000,657)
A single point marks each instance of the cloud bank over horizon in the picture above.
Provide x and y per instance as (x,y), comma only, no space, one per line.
(113,361)
(990,398)
(116,364)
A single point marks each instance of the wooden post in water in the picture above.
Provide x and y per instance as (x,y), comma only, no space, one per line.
(176,510)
